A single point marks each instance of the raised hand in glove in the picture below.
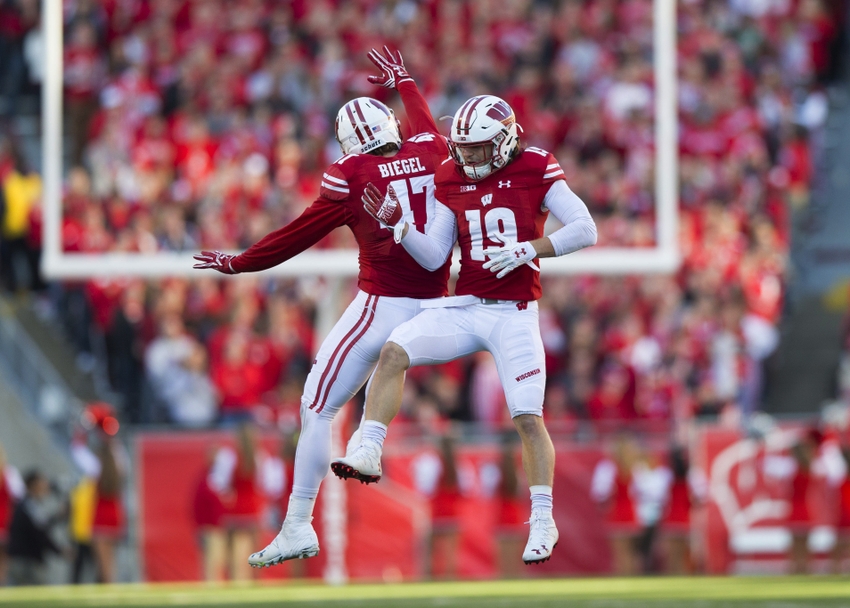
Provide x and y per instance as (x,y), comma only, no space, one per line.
(392,67)
(222,262)
(505,259)
(385,209)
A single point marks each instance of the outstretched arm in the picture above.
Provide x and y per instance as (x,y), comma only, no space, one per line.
(395,76)
(317,221)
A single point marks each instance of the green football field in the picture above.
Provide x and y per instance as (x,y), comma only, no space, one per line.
(703,592)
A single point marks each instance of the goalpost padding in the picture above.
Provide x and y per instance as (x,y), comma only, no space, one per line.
(663,258)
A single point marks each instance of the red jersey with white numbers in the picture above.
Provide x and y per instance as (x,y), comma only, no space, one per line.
(386,269)
(504,208)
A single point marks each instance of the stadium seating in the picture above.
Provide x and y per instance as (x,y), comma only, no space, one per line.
(204,124)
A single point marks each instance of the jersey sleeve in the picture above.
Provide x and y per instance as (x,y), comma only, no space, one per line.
(334,184)
(317,221)
(418,113)
(552,171)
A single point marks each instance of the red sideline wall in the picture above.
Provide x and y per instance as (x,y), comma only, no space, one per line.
(383,540)
(387,523)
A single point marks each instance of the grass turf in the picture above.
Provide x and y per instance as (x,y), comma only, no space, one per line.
(699,592)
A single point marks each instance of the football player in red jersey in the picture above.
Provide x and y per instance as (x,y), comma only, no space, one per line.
(392,285)
(493,199)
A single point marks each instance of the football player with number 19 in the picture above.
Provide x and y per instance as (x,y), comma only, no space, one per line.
(392,285)
(494,199)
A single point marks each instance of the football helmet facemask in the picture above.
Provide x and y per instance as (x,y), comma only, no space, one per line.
(365,124)
(484,136)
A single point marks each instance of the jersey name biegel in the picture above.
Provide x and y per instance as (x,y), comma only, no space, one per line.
(405,166)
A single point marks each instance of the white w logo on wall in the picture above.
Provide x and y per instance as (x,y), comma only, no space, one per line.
(486,199)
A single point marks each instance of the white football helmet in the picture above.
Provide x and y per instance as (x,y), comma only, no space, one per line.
(365,124)
(484,136)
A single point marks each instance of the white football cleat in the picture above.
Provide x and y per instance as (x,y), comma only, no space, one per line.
(363,464)
(542,538)
(294,541)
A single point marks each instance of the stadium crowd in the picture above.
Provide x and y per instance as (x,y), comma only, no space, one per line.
(206,123)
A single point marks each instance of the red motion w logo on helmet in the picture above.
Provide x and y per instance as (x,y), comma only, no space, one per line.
(501,112)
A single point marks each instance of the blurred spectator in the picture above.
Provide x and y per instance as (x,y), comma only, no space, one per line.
(612,488)
(21,191)
(436,476)
(247,477)
(12,490)
(17,18)
(82,502)
(651,480)
(743,343)
(207,512)
(510,528)
(84,72)
(101,457)
(238,379)
(176,365)
(800,518)
(687,489)
(841,550)
(797,471)
(29,533)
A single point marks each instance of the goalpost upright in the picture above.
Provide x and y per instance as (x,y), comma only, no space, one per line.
(663,258)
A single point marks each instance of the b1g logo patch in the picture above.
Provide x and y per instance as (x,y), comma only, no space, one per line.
(469,188)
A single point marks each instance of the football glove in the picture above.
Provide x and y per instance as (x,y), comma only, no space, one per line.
(392,67)
(505,259)
(385,209)
(222,262)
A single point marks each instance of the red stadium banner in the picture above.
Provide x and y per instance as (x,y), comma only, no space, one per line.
(754,504)
(388,524)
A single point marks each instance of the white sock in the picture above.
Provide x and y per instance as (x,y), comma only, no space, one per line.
(300,510)
(541,499)
(374,432)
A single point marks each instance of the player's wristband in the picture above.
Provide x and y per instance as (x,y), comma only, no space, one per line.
(398,231)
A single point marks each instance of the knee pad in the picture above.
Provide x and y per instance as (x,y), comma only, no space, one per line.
(526,399)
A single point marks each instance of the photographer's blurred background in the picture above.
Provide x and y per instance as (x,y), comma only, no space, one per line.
(149,425)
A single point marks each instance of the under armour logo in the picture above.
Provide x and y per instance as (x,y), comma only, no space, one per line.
(505,184)
(521,305)
(486,199)
(519,252)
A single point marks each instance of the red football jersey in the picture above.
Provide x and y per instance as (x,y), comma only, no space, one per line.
(506,207)
(386,269)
